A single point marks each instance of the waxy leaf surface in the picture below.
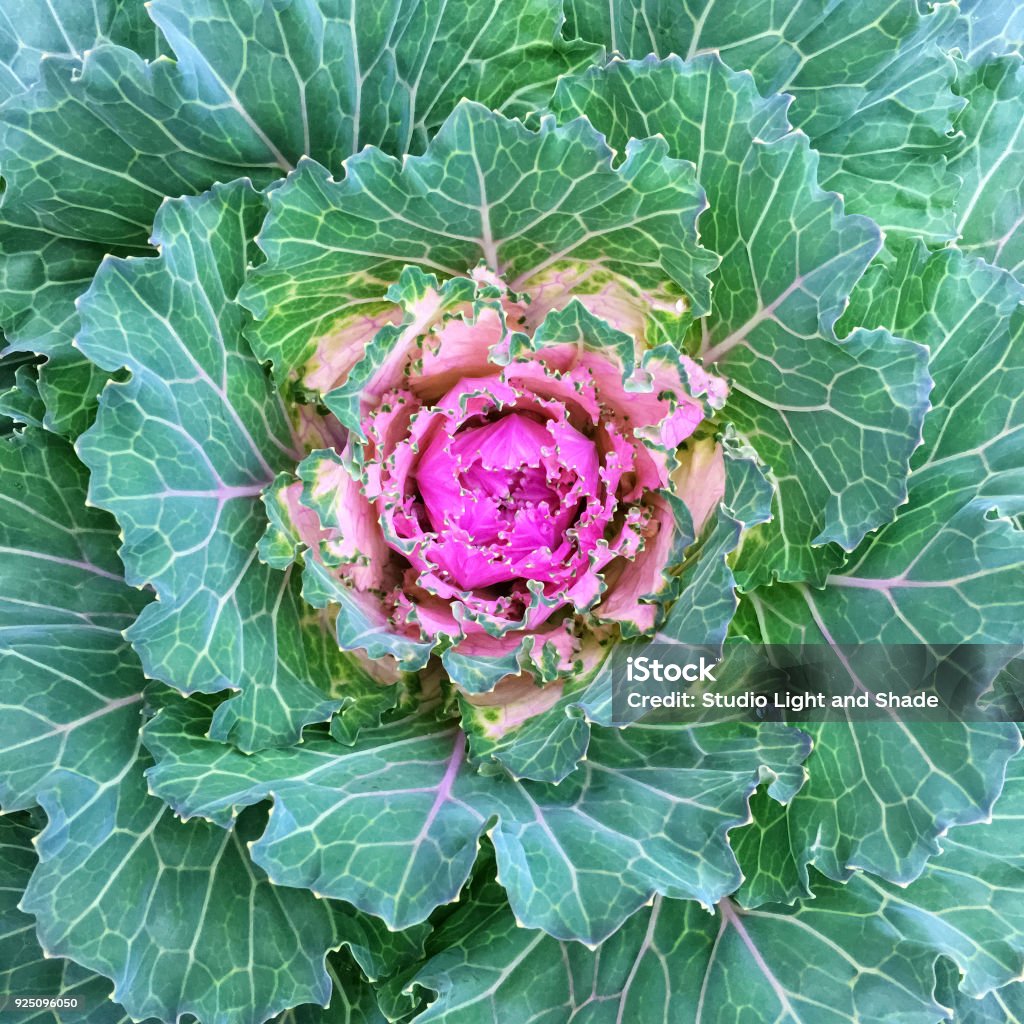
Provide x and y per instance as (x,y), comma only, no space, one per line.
(72,687)
(835,420)
(180,453)
(871,84)
(393,822)
(527,204)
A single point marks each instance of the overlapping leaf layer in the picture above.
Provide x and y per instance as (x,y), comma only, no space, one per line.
(260,757)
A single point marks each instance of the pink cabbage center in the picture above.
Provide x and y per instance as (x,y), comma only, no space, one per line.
(512,498)
(511,489)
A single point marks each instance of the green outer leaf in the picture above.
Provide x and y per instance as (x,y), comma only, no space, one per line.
(833,958)
(180,453)
(487,189)
(848,817)
(1004,1006)
(813,406)
(20,403)
(317,87)
(66,695)
(229,948)
(392,824)
(965,905)
(990,212)
(42,273)
(871,85)
(69,385)
(118,134)
(969,903)
(258,86)
(32,29)
(992,28)
(874,92)
(41,276)
(71,685)
(69,739)
(948,570)
(25,969)
(372,952)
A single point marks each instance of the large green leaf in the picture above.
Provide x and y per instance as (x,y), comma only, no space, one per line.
(72,686)
(870,81)
(948,570)
(118,135)
(33,29)
(851,814)
(42,273)
(93,147)
(991,28)
(878,796)
(990,211)
(230,947)
(392,823)
(969,903)
(69,734)
(835,420)
(526,203)
(26,970)
(41,276)
(866,951)
(324,79)
(257,86)
(965,905)
(180,454)
(831,959)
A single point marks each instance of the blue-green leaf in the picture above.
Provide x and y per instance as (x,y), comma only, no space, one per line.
(528,204)
(392,823)
(871,83)
(180,454)
(72,687)
(812,405)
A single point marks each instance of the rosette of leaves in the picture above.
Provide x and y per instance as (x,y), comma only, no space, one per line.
(466,355)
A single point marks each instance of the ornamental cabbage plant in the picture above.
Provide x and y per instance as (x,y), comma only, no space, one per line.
(376,378)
